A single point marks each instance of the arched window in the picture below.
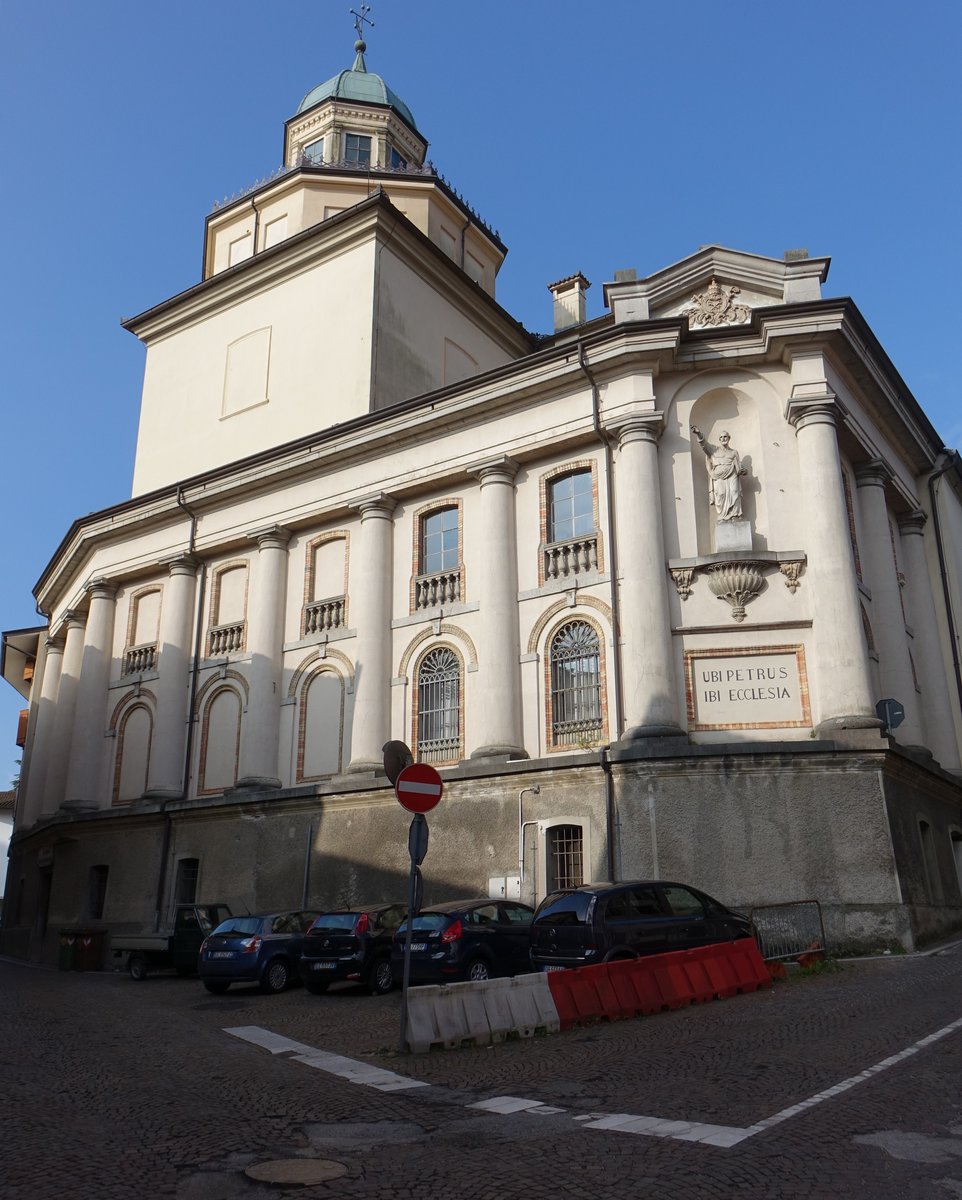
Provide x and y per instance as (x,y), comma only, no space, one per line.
(438,558)
(575,658)
(439,707)
(133,754)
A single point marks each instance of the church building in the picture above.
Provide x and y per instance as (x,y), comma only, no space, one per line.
(674,592)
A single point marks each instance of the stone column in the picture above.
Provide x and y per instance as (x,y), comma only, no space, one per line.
(648,677)
(63,724)
(165,778)
(45,715)
(84,781)
(843,684)
(930,663)
(372,570)
(265,644)
(498,684)
(895,666)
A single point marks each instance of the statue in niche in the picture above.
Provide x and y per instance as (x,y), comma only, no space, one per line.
(725,469)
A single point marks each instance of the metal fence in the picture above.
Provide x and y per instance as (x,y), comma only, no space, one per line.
(788,930)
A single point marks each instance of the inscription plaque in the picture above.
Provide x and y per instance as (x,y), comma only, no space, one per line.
(763,688)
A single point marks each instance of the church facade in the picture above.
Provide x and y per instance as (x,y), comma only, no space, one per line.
(636,588)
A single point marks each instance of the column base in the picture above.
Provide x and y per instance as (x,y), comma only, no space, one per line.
(856,721)
(254,783)
(79,806)
(162,792)
(499,751)
(638,733)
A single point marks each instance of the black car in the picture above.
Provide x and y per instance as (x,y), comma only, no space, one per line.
(597,923)
(351,945)
(466,939)
(263,948)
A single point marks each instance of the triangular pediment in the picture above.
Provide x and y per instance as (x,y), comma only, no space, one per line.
(717,287)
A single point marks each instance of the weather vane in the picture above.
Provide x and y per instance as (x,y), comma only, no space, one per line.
(360,18)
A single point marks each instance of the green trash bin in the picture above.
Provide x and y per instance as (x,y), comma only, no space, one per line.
(68,949)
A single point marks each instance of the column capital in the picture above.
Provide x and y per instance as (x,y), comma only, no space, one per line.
(643,427)
(271,537)
(180,564)
(73,618)
(805,410)
(912,522)
(874,473)
(100,589)
(501,469)
(379,504)
(53,645)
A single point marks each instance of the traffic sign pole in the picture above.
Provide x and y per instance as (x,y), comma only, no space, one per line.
(417,848)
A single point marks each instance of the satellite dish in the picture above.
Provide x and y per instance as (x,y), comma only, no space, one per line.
(396,757)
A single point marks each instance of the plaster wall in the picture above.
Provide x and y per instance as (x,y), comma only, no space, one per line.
(317,372)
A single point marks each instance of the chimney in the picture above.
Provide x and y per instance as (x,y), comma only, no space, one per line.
(569,301)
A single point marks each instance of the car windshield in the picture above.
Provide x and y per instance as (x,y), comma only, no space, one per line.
(564,908)
(334,922)
(238,927)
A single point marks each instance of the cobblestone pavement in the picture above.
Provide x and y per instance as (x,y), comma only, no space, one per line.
(114,1089)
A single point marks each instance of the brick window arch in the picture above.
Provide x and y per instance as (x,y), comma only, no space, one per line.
(438,706)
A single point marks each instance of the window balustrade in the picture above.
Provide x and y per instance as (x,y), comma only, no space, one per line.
(226,639)
(138,659)
(443,587)
(575,556)
(320,616)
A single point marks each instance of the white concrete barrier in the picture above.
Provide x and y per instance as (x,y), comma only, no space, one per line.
(451,1014)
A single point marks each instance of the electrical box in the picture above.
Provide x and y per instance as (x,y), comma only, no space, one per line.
(496,887)
(512,887)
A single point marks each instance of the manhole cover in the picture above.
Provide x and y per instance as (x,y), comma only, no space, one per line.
(296,1170)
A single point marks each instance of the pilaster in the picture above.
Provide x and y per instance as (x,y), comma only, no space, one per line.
(260,734)
(648,678)
(498,683)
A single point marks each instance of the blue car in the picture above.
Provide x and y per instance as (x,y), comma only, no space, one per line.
(263,949)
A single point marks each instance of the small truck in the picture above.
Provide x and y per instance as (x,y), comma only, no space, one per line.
(177,947)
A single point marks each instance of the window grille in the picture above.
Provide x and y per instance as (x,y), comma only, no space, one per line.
(185,887)
(439,707)
(98,891)
(575,685)
(565,857)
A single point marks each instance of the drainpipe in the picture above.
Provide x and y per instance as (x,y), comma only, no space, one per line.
(615,609)
(535,791)
(952,461)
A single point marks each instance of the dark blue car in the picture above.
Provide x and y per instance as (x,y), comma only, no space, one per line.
(263,949)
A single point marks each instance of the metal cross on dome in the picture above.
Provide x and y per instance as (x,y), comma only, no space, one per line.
(360,18)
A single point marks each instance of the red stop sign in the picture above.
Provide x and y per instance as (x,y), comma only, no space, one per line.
(418,788)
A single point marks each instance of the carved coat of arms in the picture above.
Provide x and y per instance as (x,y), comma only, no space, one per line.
(717,306)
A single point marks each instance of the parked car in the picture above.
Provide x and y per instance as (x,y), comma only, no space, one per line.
(353,945)
(596,923)
(264,948)
(466,939)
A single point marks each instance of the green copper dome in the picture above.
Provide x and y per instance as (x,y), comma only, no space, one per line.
(358,84)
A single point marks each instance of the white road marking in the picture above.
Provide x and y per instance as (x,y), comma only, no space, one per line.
(683,1131)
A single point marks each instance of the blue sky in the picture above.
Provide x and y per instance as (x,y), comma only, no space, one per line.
(593,138)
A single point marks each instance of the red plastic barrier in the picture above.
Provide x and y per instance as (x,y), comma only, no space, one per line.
(655,982)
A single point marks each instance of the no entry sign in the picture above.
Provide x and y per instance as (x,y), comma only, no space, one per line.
(418,788)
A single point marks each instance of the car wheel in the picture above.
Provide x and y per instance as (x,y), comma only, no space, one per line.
(477,971)
(137,966)
(216,986)
(276,976)
(317,987)
(382,977)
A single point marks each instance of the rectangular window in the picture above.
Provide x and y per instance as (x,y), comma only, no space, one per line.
(565,857)
(439,542)
(571,511)
(357,149)
(398,162)
(239,249)
(97,892)
(185,885)
(314,153)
